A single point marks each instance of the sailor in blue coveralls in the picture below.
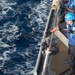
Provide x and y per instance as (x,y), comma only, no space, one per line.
(70,20)
(67,3)
(70,6)
(67,6)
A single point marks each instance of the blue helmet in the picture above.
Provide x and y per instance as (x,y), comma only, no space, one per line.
(69,16)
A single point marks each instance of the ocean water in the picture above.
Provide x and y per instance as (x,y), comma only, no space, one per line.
(22,23)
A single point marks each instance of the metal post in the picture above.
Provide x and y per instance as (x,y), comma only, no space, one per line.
(47,55)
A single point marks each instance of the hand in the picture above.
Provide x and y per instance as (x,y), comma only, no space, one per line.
(48,32)
(71,31)
(54,29)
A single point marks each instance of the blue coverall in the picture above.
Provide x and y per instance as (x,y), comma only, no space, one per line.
(71,40)
(70,5)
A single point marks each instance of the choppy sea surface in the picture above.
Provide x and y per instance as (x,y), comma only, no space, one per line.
(22,23)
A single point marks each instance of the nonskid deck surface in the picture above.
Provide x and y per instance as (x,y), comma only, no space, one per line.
(59,61)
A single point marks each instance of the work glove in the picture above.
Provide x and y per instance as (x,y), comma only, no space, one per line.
(48,33)
(71,31)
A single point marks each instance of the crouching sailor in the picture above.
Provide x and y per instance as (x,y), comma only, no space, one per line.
(70,25)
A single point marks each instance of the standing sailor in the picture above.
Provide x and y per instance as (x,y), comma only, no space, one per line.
(70,20)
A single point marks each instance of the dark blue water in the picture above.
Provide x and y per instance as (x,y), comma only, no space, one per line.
(22,23)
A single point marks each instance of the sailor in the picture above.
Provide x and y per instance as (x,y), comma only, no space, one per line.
(70,28)
(67,3)
(70,6)
(61,10)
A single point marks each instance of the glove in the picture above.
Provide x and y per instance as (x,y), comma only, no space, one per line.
(71,31)
(48,33)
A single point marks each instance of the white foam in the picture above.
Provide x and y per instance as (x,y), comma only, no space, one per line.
(5,55)
(6,6)
(39,15)
(1,58)
(39,12)
(9,32)
(2,44)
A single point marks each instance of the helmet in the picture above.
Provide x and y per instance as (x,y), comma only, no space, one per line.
(73,2)
(69,16)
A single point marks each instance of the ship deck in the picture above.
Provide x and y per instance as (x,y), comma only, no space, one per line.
(53,61)
(59,60)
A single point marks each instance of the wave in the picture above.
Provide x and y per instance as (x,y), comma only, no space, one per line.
(21,31)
